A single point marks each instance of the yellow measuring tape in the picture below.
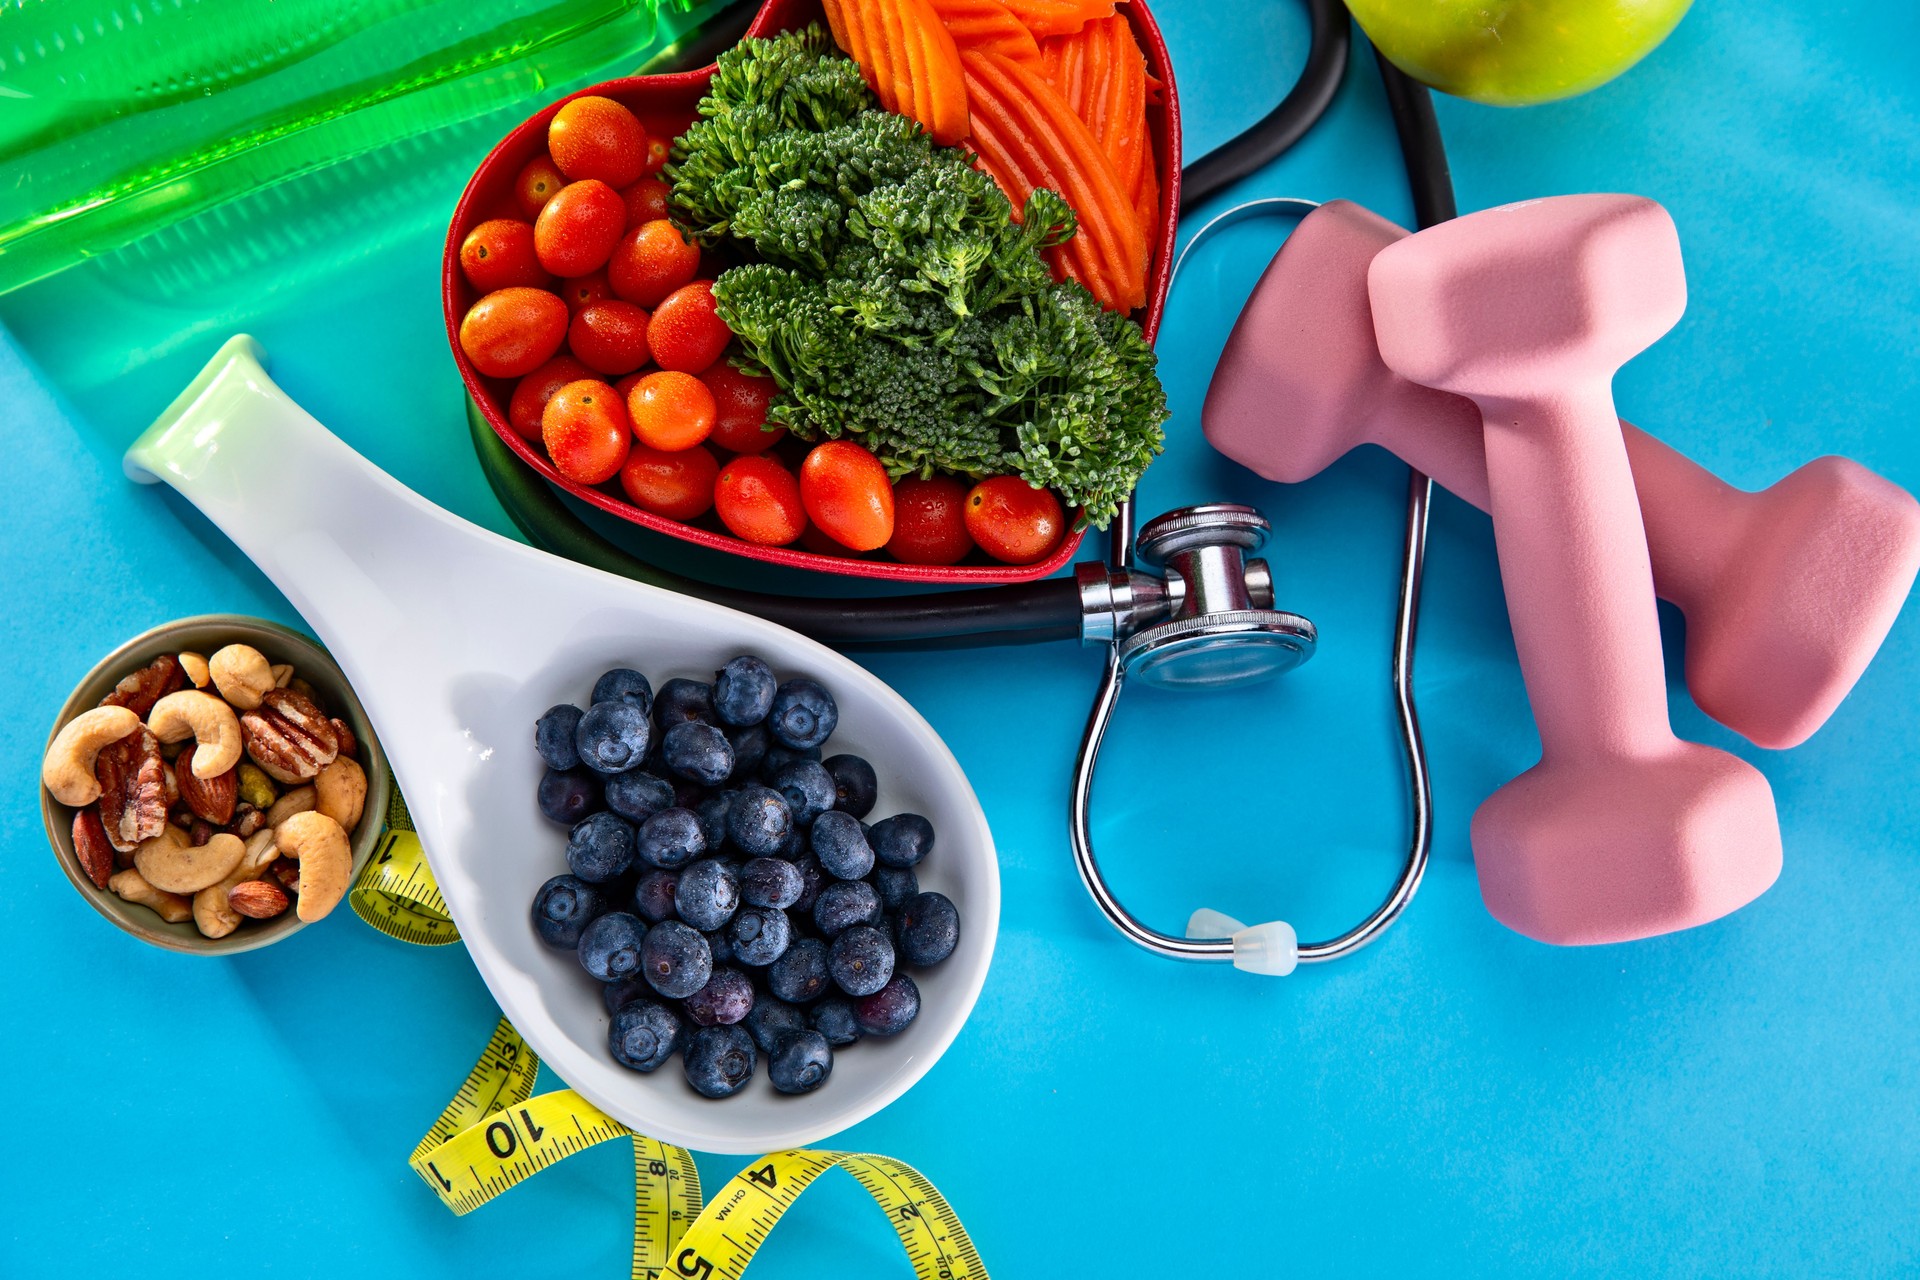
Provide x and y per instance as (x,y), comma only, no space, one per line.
(495,1134)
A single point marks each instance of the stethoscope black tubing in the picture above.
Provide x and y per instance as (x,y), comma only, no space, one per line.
(1022,612)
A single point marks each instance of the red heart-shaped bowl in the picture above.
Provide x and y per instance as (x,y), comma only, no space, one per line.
(665,105)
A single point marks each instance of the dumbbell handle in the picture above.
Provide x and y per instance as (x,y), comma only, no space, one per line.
(1693,518)
(1577,576)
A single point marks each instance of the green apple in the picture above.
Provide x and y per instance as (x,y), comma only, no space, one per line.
(1513,53)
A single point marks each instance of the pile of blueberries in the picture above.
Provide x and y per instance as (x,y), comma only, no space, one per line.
(722,884)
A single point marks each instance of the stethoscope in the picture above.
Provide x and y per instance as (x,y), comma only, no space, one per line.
(1182,602)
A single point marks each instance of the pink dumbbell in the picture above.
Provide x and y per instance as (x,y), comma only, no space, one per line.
(1788,592)
(1622,830)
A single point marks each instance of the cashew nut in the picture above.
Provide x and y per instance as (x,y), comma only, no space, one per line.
(326,860)
(131,886)
(68,769)
(242,674)
(167,866)
(195,665)
(207,720)
(282,674)
(340,792)
(299,800)
(213,915)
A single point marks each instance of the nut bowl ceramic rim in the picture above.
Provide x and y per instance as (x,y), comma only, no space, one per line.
(280,643)
(672,95)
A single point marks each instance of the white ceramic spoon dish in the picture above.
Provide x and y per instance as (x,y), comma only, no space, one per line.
(456,640)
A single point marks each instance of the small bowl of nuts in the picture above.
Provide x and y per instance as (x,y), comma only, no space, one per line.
(213,785)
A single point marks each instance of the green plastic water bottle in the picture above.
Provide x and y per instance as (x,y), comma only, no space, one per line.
(120,118)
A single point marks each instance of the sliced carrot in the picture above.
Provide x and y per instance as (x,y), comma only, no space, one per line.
(1029,137)
(907,58)
(988,24)
(1102,74)
(1058,17)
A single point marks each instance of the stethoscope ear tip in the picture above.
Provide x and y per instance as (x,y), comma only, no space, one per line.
(1271,949)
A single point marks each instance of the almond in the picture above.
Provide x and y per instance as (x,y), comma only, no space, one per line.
(257,899)
(349,745)
(91,846)
(210,798)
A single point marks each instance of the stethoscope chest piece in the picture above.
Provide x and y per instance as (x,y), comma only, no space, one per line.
(1217,637)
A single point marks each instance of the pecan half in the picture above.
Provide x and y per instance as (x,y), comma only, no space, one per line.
(210,798)
(91,847)
(139,691)
(289,737)
(286,872)
(349,745)
(133,789)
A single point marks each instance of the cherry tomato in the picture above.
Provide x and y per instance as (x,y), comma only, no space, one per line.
(759,500)
(538,183)
(816,540)
(594,137)
(511,332)
(740,402)
(929,521)
(498,254)
(691,335)
(657,152)
(531,395)
(670,410)
(577,230)
(626,385)
(845,491)
(1012,521)
(585,431)
(646,200)
(609,337)
(584,291)
(678,485)
(651,261)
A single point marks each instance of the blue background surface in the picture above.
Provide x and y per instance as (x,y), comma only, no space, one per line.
(1739,1099)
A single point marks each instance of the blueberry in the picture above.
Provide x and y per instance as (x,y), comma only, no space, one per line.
(779,757)
(834,1019)
(683,700)
(743,691)
(672,838)
(553,736)
(613,737)
(902,840)
(842,904)
(888,1010)
(568,795)
(713,817)
(895,885)
(760,935)
(719,1060)
(749,744)
(837,842)
(719,946)
(623,684)
(599,848)
(610,946)
(653,896)
(637,795)
(808,789)
(564,907)
(759,820)
(854,784)
(726,999)
(801,974)
(812,880)
(676,960)
(643,1035)
(770,882)
(624,991)
(794,846)
(803,714)
(770,1019)
(699,753)
(708,894)
(928,929)
(861,960)
(801,1063)
(687,794)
